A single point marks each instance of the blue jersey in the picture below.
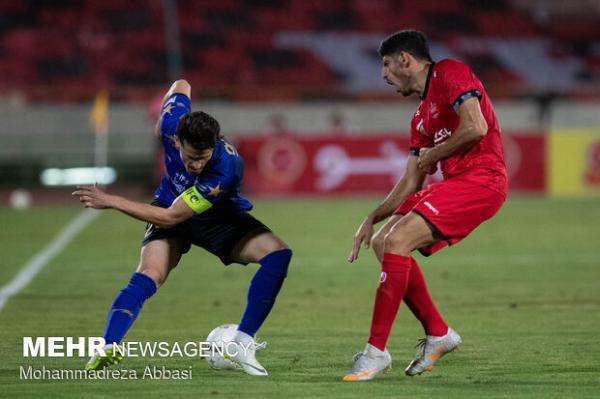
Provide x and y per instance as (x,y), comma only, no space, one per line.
(218,185)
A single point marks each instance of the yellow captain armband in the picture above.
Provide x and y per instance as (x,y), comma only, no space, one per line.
(195,200)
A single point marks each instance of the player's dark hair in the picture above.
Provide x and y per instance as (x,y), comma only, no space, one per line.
(412,41)
(199,129)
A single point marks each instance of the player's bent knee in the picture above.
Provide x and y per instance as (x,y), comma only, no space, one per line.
(398,240)
(276,243)
(267,244)
(377,242)
(278,246)
(396,244)
(157,276)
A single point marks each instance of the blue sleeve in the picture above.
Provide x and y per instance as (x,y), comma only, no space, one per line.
(172,110)
(217,183)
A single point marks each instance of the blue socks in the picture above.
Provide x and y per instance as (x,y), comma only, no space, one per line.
(127,306)
(264,289)
(261,296)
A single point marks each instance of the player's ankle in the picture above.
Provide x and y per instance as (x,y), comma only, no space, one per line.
(243,337)
(371,350)
(437,332)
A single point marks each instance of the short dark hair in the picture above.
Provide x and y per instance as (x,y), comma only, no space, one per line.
(412,41)
(199,129)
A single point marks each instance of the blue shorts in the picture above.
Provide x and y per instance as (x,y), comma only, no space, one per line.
(218,232)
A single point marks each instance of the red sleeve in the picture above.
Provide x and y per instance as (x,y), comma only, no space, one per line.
(459,83)
(417,139)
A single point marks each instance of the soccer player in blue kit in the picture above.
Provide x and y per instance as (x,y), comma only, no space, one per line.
(198,202)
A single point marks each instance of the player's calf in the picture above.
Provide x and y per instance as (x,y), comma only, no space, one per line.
(264,289)
(127,306)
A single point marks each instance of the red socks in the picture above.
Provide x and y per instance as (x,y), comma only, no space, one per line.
(419,301)
(401,278)
(395,271)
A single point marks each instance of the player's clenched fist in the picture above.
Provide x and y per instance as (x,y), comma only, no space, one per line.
(363,234)
(427,163)
(92,197)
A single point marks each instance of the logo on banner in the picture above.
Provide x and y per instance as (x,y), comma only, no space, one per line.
(281,161)
(334,166)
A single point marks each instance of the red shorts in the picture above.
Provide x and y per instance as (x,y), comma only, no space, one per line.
(455,207)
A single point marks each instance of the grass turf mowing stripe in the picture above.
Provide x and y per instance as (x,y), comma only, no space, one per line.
(37,263)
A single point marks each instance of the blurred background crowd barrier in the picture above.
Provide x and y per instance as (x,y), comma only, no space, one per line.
(295,84)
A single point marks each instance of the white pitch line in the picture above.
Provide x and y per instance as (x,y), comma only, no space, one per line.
(37,263)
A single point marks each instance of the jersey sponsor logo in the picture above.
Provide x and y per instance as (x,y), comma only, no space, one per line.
(180,181)
(431,207)
(179,187)
(441,135)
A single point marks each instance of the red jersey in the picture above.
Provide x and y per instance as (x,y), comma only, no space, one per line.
(450,83)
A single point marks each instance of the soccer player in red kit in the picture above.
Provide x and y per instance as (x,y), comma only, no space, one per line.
(454,126)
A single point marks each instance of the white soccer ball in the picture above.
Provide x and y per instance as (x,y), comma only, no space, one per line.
(221,335)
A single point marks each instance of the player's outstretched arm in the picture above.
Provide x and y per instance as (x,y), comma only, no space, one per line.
(471,128)
(94,197)
(411,182)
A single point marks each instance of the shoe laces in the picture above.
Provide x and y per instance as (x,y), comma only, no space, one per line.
(259,345)
(360,362)
(421,347)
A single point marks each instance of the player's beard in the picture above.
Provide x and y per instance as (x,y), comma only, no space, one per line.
(193,172)
(402,86)
(404,91)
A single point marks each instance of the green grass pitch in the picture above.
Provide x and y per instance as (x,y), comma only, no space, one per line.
(523,291)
